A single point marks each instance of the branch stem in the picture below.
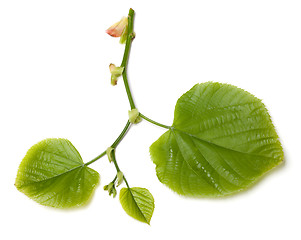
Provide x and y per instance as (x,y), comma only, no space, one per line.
(124,64)
(121,135)
(126,54)
(130,37)
(117,167)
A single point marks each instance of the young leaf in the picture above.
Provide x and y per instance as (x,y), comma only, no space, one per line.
(138,203)
(53,174)
(221,141)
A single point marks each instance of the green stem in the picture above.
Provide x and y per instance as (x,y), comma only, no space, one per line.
(129,38)
(120,137)
(124,63)
(154,122)
(114,145)
(117,168)
(126,54)
(114,179)
(114,161)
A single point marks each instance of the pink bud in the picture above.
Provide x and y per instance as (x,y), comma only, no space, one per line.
(118,28)
(112,67)
(115,70)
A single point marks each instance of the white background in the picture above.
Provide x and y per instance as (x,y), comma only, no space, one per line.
(55,82)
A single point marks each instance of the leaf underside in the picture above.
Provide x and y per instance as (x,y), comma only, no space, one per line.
(53,174)
(221,141)
(137,203)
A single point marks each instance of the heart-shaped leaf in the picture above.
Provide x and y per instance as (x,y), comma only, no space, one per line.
(221,141)
(137,203)
(53,174)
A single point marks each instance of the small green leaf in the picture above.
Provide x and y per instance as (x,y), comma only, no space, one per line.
(119,178)
(53,174)
(222,140)
(134,116)
(137,203)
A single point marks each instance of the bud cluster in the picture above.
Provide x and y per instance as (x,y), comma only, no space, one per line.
(111,188)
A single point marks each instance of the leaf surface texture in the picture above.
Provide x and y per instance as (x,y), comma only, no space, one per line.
(137,203)
(221,141)
(53,174)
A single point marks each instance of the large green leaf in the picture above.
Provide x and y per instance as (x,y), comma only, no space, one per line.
(138,203)
(53,174)
(221,141)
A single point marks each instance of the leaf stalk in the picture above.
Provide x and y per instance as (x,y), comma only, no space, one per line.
(154,122)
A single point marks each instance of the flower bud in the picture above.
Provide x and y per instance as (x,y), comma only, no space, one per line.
(114,192)
(119,29)
(115,70)
(110,187)
(115,73)
(134,116)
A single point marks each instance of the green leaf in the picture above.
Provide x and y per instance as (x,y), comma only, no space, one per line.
(222,140)
(53,174)
(138,203)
